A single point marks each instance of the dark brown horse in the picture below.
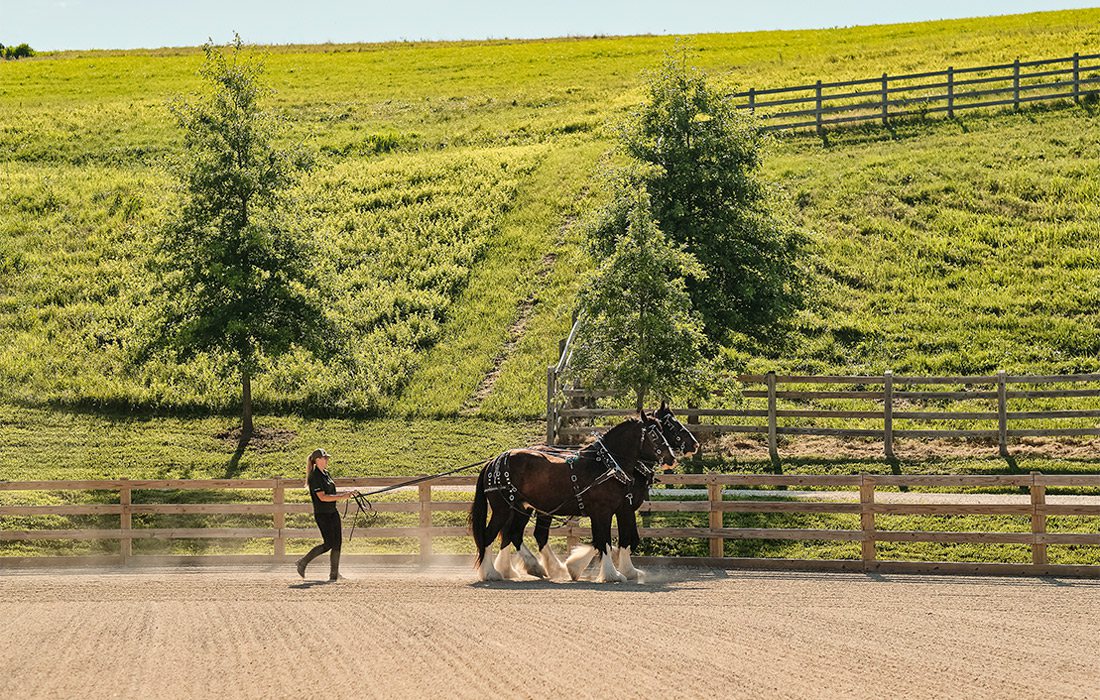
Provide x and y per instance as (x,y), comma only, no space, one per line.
(592,483)
(683,442)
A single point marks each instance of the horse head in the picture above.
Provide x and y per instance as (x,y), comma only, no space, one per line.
(675,433)
(655,446)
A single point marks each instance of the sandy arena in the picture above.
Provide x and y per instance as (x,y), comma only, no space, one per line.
(401,632)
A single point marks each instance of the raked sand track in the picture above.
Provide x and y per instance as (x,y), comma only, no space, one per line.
(404,632)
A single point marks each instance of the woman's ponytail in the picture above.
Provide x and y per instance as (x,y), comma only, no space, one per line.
(312,462)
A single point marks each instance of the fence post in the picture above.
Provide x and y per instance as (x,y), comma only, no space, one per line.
(773,446)
(885,100)
(1002,414)
(888,413)
(278,496)
(551,412)
(817,109)
(125,543)
(1038,521)
(951,92)
(1077,78)
(752,100)
(1016,84)
(717,544)
(425,520)
(867,519)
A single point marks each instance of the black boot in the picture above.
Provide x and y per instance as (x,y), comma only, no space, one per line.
(312,554)
(334,565)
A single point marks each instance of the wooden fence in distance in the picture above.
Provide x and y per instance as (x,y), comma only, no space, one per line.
(570,405)
(949,91)
(863,487)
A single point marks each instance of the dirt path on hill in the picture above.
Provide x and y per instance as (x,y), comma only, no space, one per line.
(262,633)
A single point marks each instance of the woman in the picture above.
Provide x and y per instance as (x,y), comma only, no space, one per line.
(324,493)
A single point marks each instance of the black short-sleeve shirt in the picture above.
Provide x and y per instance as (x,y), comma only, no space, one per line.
(321,481)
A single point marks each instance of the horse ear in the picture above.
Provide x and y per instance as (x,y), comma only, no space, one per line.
(664,405)
(641,414)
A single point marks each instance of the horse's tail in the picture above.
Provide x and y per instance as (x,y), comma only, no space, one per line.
(479,514)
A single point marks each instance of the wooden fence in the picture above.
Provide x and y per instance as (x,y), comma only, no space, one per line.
(823,104)
(567,406)
(862,486)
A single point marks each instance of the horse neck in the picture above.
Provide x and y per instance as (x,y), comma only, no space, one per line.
(623,440)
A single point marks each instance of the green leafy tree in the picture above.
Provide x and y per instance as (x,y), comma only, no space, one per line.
(240,283)
(639,332)
(17,52)
(703,159)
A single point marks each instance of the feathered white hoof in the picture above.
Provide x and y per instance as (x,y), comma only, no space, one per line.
(488,572)
(608,572)
(504,563)
(551,564)
(626,567)
(578,560)
(530,563)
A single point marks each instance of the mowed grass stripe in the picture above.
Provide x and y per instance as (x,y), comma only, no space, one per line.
(510,275)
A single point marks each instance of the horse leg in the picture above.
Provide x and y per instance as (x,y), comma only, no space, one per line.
(503,563)
(550,562)
(579,559)
(601,540)
(628,541)
(488,571)
(515,536)
(615,548)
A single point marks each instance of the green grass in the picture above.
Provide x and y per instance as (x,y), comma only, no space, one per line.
(56,444)
(449,182)
(446,172)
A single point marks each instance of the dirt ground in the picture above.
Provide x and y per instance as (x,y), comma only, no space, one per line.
(396,632)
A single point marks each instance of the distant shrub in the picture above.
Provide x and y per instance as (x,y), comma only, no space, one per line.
(20,51)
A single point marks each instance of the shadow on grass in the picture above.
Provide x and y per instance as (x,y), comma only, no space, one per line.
(233,469)
(919,126)
(895,468)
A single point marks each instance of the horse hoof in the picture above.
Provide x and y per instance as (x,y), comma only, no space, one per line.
(633,574)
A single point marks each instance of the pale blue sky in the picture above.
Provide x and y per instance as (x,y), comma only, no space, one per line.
(84,24)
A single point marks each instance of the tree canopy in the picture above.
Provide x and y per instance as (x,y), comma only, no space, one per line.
(703,157)
(638,330)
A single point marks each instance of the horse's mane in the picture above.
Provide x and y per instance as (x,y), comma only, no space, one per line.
(615,432)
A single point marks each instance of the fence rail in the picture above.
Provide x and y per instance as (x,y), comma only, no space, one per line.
(887,391)
(863,490)
(822,104)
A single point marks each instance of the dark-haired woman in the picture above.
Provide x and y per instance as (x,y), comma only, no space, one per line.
(323,492)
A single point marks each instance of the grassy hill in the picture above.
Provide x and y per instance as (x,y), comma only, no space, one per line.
(449,182)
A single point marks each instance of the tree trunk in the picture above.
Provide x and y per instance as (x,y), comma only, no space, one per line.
(246,405)
(639,395)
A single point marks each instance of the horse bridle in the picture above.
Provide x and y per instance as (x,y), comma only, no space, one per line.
(669,424)
(648,467)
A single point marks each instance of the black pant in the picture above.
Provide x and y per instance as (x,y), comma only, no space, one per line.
(331,533)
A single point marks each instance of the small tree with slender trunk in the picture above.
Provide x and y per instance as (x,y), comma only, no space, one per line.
(239,282)
(703,158)
(639,332)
